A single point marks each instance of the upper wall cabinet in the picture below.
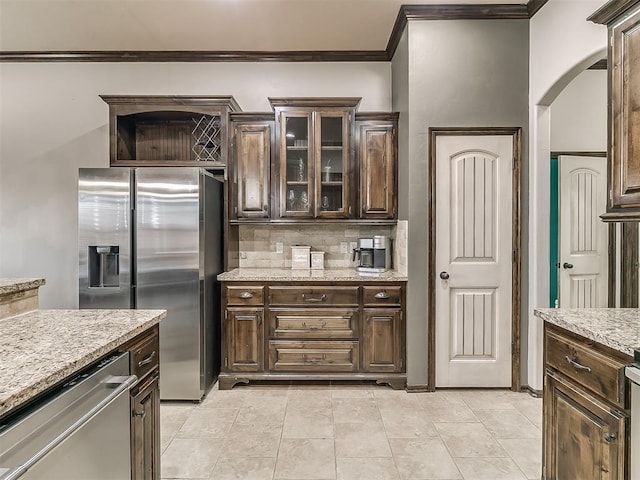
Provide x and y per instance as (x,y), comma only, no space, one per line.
(169,130)
(622,18)
(376,138)
(315,157)
(250,171)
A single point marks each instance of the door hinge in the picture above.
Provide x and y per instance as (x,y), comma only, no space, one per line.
(513,257)
(226,314)
(226,361)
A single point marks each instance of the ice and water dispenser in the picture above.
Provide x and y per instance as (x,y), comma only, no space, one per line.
(104,266)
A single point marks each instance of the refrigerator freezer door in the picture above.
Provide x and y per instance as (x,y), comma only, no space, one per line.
(104,232)
(168,272)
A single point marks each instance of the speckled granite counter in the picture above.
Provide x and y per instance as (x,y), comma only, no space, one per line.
(307,275)
(39,349)
(13,285)
(617,328)
(18,295)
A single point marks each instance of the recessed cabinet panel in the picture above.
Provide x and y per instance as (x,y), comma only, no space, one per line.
(252,170)
(145,430)
(377,160)
(584,438)
(630,128)
(382,344)
(244,339)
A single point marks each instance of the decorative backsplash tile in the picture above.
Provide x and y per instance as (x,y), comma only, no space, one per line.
(258,243)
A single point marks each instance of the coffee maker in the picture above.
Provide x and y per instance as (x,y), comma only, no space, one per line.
(373,255)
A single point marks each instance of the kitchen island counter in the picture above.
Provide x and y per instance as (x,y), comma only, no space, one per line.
(309,275)
(616,328)
(41,348)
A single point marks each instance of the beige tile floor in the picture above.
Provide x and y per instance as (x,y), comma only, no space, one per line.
(346,432)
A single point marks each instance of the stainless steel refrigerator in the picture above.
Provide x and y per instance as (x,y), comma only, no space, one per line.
(152,238)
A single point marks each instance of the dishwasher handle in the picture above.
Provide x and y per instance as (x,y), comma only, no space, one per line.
(633,374)
(126,383)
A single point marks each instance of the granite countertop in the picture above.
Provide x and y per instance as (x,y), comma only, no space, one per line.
(308,275)
(40,348)
(618,328)
(12,285)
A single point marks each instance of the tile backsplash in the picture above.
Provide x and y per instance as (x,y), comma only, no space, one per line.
(258,243)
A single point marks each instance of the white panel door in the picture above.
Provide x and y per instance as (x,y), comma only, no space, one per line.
(583,251)
(474,194)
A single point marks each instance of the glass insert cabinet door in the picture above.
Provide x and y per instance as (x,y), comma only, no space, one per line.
(297,172)
(332,166)
(314,165)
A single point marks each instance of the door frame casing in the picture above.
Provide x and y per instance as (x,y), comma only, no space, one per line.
(516,134)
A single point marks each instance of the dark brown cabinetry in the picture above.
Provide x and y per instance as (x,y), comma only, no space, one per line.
(377,153)
(586,414)
(623,19)
(243,328)
(169,130)
(145,405)
(145,431)
(314,332)
(315,157)
(252,136)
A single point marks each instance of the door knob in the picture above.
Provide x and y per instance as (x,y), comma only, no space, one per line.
(567,265)
(444,275)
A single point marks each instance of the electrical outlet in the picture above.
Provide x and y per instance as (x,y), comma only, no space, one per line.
(279,247)
(353,246)
(344,247)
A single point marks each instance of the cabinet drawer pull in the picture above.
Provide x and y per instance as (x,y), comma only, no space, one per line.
(246,295)
(382,295)
(576,365)
(314,299)
(147,360)
(610,437)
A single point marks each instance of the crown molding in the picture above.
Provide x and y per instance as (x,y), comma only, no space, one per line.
(409,13)
(611,10)
(187,56)
(406,13)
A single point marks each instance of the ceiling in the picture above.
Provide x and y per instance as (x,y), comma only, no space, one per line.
(202,25)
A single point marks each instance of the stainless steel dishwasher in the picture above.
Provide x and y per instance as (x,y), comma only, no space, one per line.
(632,372)
(79,432)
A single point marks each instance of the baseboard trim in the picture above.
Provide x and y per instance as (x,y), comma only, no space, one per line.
(531,391)
(417,388)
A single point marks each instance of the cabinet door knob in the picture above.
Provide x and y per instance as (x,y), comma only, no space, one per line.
(566,265)
(141,414)
(444,275)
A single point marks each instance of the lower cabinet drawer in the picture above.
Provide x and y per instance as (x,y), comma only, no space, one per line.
(313,323)
(313,356)
(600,373)
(144,356)
(314,296)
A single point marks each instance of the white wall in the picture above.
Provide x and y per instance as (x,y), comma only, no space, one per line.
(562,44)
(579,114)
(52,122)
